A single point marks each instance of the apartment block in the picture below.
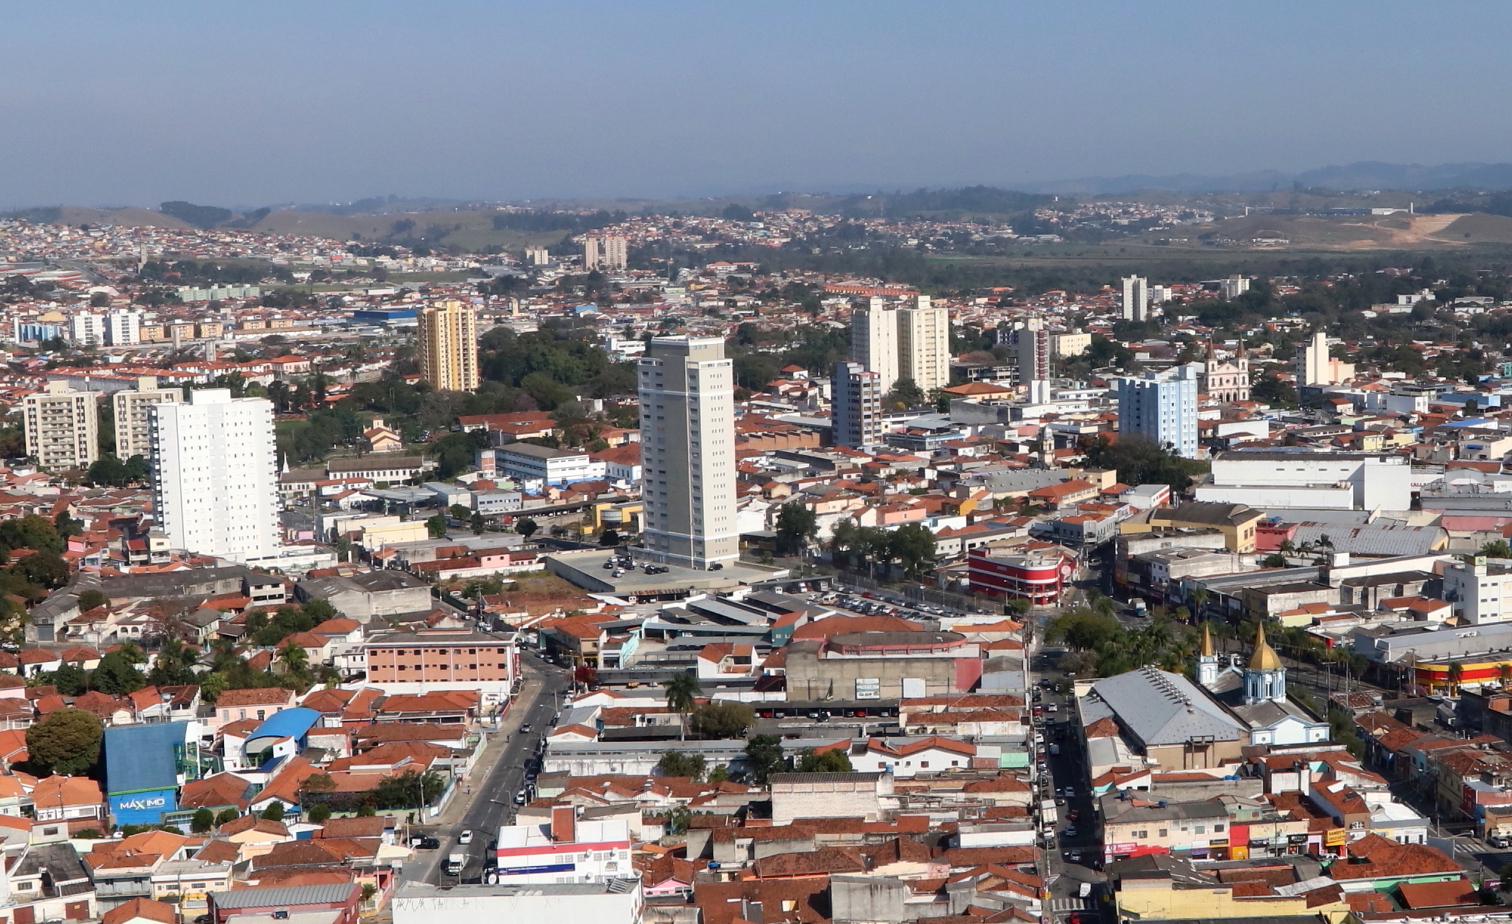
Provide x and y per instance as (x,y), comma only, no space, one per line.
(133,429)
(447,345)
(62,427)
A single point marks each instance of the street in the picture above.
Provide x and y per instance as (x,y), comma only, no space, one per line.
(491,802)
(1065,771)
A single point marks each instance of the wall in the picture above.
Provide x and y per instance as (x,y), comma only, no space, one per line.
(481,904)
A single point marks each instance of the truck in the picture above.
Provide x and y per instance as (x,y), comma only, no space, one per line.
(454,863)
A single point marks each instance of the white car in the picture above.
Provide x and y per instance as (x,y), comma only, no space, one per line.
(464,838)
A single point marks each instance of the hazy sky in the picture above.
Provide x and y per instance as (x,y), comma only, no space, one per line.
(269,102)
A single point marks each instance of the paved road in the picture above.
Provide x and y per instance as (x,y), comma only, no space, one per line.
(491,801)
(1068,769)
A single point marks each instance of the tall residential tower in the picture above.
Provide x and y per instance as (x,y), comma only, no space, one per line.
(447,345)
(687,403)
(855,406)
(215,475)
(874,341)
(924,345)
(1136,298)
(62,427)
(133,428)
(1162,407)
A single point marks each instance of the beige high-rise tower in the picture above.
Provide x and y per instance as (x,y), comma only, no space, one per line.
(687,403)
(132,427)
(924,345)
(874,341)
(62,427)
(447,346)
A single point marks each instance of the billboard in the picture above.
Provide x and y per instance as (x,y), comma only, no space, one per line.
(142,808)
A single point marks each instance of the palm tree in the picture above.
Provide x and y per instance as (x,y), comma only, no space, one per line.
(1504,673)
(1456,671)
(294,658)
(1199,597)
(682,694)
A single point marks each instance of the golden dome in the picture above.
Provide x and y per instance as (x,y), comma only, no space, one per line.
(1207,642)
(1264,658)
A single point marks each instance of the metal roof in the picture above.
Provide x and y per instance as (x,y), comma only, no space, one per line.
(1159,708)
(283,895)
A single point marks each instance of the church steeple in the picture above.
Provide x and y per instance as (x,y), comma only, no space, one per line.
(1265,675)
(1208,666)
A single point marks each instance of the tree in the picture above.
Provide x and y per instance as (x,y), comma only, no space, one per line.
(905,393)
(682,694)
(722,719)
(203,821)
(720,774)
(320,813)
(66,741)
(479,524)
(1456,673)
(831,761)
(681,763)
(526,527)
(408,790)
(226,816)
(274,811)
(913,545)
(92,598)
(295,659)
(609,537)
(1497,548)
(764,757)
(1140,460)
(797,526)
(117,674)
(436,526)
(1199,597)
(69,679)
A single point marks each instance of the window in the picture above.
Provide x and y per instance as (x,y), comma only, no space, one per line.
(1218,828)
(1139,835)
(1164,832)
(1200,829)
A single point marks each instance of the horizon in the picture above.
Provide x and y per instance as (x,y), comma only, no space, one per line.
(599,101)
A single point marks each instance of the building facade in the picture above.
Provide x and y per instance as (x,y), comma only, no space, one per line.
(1034,346)
(132,427)
(608,252)
(1162,406)
(1315,367)
(62,427)
(447,345)
(529,462)
(1136,298)
(214,474)
(874,341)
(855,406)
(687,401)
(431,659)
(924,344)
(87,329)
(1229,381)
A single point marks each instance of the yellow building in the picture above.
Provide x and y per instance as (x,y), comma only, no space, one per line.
(1237,522)
(447,346)
(1153,894)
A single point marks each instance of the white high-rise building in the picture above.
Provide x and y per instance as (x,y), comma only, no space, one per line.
(1162,407)
(62,427)
(606,252)
(123,327)
(874,341)
(1136,298)
(687,402)
(1034,350)
(1316,367)
(133,429)
(1233,287)
(924,345)
(215,475)
(87,329)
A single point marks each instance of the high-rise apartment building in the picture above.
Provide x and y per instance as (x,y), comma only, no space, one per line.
(1035,346)
(687,403)
(924,345)
(1136,298)
(62,427)
(87,329)
(123,327)
(1163,407)
(855,406)
(607,252)
(447,345)
(133,428)
(874,341)
(1314,365)
(215,474)
(1233,287)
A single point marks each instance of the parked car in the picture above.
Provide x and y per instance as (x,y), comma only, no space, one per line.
(427,843)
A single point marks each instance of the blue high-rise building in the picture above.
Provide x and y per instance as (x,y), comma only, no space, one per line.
(1163,407)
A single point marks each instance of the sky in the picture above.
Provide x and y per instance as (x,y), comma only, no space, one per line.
(249,104)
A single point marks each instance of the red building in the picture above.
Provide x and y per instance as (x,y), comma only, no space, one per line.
(1037,576)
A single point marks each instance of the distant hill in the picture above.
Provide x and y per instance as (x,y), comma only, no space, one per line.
(1356,176)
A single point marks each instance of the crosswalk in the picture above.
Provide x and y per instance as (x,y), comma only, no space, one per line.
(1066,905)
